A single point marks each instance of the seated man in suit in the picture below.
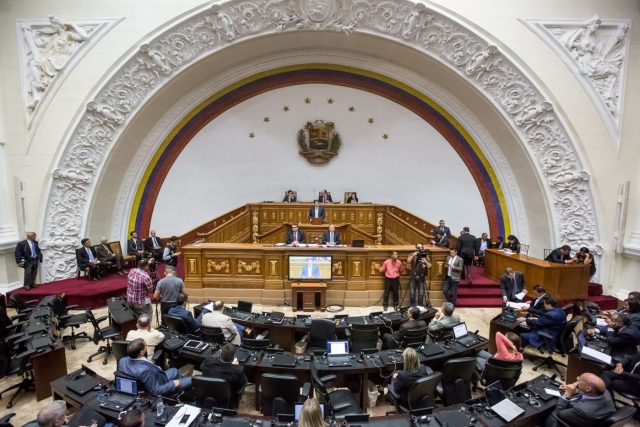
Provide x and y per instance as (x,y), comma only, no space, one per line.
(511,283)
(135,246)
(180,311)
(443,319)
(442,229)
(290,197)
(413,322)
(226,367)
(106,256)
(625,376)
(440,239)
(151,376)
(331,237)
(324,197)
(561,255)
(624,337)
(551,322)
(295,236)
(586,402)
(154,245)
(536,307)
(217,319)
(316,211)
(87,257)
(482,244)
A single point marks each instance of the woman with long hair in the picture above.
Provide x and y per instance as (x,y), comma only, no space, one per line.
(311,415)
(403,380)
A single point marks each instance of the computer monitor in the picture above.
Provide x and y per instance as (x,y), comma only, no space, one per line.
(126,386)
(309,267)
(357,243)
(336,348)
(244,306)
(459,330)
(298,408)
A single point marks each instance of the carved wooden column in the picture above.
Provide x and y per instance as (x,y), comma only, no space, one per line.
(380,224)
(255,223)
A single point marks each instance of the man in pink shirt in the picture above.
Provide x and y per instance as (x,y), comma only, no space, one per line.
(391,269)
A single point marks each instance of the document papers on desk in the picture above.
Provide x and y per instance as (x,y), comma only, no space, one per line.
(517,305)
(601,322)
(552,392)
(521,295)
(192,411)
(595,354)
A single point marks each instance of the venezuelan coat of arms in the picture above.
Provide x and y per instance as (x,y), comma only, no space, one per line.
(318,141)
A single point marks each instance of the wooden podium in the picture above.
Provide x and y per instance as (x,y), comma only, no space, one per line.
(308,296)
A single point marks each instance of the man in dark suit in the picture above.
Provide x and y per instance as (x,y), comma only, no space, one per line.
(316,211)
(550,322)
(624,337)
(295,236)
(586,402)
(511,283)
(28,255)
(561,255)
(536,307)
(135,246)
(413,322)
(154,245)
(440,240)
(154,380)
(482,244)
(106,256)
(467,250)
(442,229)
(625,376)
(324,197)
(331,237)
(87,257)
(226,366)
(290,197)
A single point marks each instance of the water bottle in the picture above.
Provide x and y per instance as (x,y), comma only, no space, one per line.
(159,407)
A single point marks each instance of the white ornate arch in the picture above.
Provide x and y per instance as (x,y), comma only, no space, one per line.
(456,45)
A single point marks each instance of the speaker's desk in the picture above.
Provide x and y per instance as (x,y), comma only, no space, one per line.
(563,281)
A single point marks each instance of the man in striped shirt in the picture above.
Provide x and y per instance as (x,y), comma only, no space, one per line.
(139,286)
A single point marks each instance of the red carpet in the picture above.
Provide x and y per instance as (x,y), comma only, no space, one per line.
(482,292)
(83,292)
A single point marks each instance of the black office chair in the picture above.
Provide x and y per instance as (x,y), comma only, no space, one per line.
(280,392)
(214,393)
(214,335)
(86,416)
(119,349)
(321,331)
(107,334)
(176,324)
(73,321)
(622,414)
(341,402)
(21,306)
(506,371)
(440,334)
(421,394)
(20,364)
(414,337)
(563,344)
(5,421)
(455,385)
(255,345)
(362,337)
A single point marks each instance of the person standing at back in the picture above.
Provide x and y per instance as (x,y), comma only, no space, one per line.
(168,289)
(171,254)
(28,255)
(467,250)
(139,286)
(391,269)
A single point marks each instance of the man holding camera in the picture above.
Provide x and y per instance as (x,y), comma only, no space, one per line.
(420,263)
(27,256)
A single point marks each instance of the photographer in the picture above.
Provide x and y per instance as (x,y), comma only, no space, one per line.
(420,263)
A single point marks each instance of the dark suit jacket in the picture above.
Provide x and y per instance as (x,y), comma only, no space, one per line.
(585,412)
(139,246)
(104,254)
(628,363)
(286,199)
(623,342)
(537,308)
(446,231)
(152,377)
(444,241)
(550,322)
(507,287)
(148,243)
(290,238)
(336,237)
(409,324)
(83,256)
(233,374)
(479,242)
(23,250)
(556,256)
(312,212)
(467,245)
(328,199)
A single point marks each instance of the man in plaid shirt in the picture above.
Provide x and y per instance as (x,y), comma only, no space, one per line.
(139,285)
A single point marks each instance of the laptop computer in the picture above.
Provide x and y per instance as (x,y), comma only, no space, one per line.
(497,399)
(462,336)
(430,349)
(357,243)
(297,409)
(276,317)
(338,353)
(284,359)
(82,385)
(242,355)
(126,393)
(244,306)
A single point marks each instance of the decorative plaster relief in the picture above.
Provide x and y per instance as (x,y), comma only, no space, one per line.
(428,30)
(596,52)
(49,50)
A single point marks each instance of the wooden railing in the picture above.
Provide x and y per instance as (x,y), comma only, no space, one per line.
(232,227)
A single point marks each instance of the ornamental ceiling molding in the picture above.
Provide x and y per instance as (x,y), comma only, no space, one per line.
(48,51)
(597,53)
(210,29)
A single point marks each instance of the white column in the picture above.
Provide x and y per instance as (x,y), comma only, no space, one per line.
(8,229)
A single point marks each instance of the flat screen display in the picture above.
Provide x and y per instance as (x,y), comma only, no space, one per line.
(305,267)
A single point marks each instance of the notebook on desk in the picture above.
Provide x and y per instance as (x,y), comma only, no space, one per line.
(284,359)
(497,400)
(338,353)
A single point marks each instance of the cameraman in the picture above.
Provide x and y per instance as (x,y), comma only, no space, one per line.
(420,263)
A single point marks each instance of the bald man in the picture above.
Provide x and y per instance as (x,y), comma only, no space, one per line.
(586,402)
